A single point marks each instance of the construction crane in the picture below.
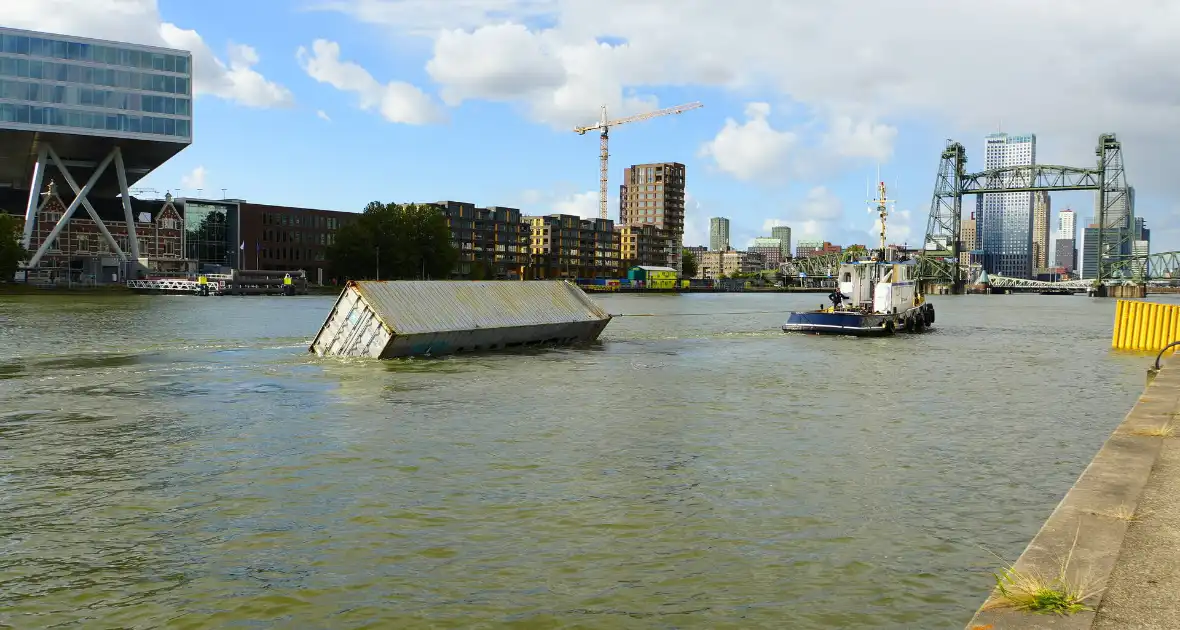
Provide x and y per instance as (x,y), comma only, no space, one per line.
(605,125)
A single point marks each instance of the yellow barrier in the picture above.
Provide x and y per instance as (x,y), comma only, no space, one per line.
(1144,326)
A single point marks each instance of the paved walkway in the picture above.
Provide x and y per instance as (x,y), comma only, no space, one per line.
(1144,588)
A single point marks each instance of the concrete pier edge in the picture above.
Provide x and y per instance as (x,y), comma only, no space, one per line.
(1113,482)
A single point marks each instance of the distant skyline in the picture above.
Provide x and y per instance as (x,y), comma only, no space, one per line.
(332,104)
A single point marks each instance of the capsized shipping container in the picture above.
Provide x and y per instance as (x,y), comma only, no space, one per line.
(386,320)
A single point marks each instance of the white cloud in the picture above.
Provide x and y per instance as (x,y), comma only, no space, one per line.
(583,204)
(863,138)
(821,205)
(696,223)
(756,151)
(322,115)
(752,150)
(920,59)
(139,21)
(194,179)
(898,230)
(773,223)
(396,101)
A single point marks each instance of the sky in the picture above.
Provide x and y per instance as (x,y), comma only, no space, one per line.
(335,103)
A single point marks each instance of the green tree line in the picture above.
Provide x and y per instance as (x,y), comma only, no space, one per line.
(393,241)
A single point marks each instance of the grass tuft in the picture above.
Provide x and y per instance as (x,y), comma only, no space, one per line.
(1121,513)
(1165,430)
(1033,592)
(1036,593)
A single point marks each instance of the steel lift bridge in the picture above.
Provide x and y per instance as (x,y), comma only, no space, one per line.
(939,261)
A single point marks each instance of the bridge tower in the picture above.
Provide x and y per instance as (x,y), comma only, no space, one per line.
(944,227)
(1115,217)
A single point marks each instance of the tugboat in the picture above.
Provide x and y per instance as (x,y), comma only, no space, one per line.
(872,297)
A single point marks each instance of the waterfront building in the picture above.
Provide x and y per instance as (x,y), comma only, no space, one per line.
(969,246)
(493,242)
(1065,254)
(783,234)
(286,238)
(713,265)
(653,195)
(1042,210)
(808,248)
(770,250)
(1067,224)
(718,234)
(80,252)
(94,117)
(654,277)
(568,246)
(1005,222)
(641,245)
(814,248)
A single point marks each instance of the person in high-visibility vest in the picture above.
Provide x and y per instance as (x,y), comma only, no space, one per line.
(287,280)
(287,288)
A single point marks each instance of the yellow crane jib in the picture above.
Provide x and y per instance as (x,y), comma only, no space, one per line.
(604,126)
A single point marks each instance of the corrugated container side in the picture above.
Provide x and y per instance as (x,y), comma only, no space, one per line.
(410,307)
(406,318)
(352,329)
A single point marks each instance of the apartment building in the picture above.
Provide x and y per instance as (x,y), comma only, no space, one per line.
(653,195)
(567,246)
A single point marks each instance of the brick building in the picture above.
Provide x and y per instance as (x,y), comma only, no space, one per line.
(653,195)
(284,238)
(567,246)
(81,253)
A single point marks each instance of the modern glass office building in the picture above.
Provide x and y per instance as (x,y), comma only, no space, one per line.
(1005,220)
(78,85)
(93,116)
(211,233)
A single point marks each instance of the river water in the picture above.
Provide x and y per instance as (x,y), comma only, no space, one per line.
(183,462)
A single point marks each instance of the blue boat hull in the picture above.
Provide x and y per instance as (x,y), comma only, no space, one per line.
(860,324)
(838,323)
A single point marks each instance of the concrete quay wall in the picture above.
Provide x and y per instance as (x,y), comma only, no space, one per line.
(1118,527)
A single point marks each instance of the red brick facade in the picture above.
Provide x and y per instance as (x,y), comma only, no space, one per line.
(160,239)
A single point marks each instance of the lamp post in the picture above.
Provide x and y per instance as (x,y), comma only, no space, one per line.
(378,262)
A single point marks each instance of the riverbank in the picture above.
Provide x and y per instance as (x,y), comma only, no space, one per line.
(1110,553)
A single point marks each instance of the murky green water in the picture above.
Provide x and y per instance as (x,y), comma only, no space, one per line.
(182,462)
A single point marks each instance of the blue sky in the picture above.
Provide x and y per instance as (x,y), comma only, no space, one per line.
(506,79)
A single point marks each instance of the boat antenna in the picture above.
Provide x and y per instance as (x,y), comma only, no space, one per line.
(882,202)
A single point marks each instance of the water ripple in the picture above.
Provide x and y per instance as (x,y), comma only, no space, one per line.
(184,463)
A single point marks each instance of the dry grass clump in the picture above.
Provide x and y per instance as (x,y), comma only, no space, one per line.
(1165,430)
(1053,594)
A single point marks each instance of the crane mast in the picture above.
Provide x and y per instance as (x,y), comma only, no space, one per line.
(603,126)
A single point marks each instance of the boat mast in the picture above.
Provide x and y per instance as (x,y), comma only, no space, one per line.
(882,202)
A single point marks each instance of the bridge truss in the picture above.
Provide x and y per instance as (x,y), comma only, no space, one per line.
(929,267)
(944,243)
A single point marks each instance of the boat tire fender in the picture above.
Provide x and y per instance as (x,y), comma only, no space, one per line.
(929,314)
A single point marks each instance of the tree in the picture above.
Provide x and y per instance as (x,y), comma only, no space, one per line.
(11,252)
(394,242)
(688,264)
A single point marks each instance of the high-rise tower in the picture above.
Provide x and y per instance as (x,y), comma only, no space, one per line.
(1005,222)
(653,194)
(718,234)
